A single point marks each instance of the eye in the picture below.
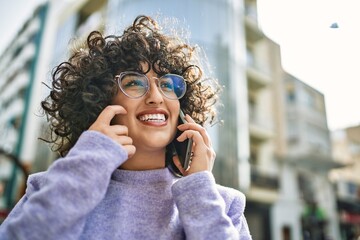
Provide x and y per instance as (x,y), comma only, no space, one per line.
(167,83)
(133,81)
(167,86)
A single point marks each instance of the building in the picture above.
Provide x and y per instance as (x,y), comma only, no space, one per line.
(19,83)
(307,205)
(26,64)
(263,64)
(265,147)
(227,31)
(346,149)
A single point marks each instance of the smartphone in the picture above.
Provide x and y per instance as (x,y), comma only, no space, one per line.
(181,149)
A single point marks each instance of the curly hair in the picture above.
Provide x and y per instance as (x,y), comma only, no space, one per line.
(84,85)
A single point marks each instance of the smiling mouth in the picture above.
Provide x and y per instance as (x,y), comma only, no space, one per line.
(152,118)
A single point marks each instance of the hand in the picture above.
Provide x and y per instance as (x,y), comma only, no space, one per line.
(203,154)
(119,133)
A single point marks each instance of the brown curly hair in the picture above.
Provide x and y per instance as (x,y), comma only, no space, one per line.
(84,85)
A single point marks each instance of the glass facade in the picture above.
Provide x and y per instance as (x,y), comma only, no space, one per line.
(17,70)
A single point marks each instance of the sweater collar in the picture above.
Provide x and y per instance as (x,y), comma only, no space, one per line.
(144,177)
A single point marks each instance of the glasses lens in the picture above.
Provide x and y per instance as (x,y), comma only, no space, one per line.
(173,86)
(133,84)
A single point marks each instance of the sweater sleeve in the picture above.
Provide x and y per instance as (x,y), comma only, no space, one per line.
(205,213)
(56,202)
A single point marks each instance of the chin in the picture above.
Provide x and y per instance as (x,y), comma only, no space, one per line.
(155,142)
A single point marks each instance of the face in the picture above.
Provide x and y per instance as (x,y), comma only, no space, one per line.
(151,119)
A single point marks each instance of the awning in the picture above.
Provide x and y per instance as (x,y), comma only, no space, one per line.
(315,162)
(349,173)
(352,218)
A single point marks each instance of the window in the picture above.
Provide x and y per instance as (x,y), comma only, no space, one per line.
(290,93)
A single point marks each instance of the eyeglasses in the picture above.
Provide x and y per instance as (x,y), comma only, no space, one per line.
(136,85)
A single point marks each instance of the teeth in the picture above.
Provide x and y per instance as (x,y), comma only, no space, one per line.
(152,117)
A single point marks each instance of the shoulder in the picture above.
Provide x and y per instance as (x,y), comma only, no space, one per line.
(234,199)
(35,182)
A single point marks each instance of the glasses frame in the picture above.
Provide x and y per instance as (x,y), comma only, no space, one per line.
(122,74)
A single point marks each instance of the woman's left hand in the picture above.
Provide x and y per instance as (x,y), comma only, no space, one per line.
(203,155)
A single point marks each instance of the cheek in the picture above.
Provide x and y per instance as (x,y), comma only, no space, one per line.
(121,100)
(175,109)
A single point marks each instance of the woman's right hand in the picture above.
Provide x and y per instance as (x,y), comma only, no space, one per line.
(203,154)
(119,133)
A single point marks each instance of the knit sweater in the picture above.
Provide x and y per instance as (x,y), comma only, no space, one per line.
(85,196)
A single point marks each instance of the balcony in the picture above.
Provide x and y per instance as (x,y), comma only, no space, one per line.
(264,185)
(345,178)
(257,72)
(260,127)
(21,81)
(253,33)
(264,179)
(19,63)
(257,78)
(314,162)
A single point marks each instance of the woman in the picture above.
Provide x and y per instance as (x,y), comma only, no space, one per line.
(113,111)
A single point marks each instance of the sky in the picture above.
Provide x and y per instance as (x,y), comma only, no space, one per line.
(325,58)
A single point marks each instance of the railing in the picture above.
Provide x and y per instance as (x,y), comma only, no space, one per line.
(264,180)
(260,119)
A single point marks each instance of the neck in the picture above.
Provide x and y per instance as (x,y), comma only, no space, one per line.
(145,160)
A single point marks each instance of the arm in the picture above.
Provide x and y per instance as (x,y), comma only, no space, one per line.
(204,212)
(56,207)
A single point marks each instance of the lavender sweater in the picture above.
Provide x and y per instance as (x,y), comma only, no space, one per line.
(85,196)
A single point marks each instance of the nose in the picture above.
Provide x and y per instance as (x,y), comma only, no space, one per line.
(154,95)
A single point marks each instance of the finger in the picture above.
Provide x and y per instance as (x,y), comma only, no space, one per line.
(109,113)
(189,119)
(200,129)
(195,135)
(117,130)
(130,149)
(124,140)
